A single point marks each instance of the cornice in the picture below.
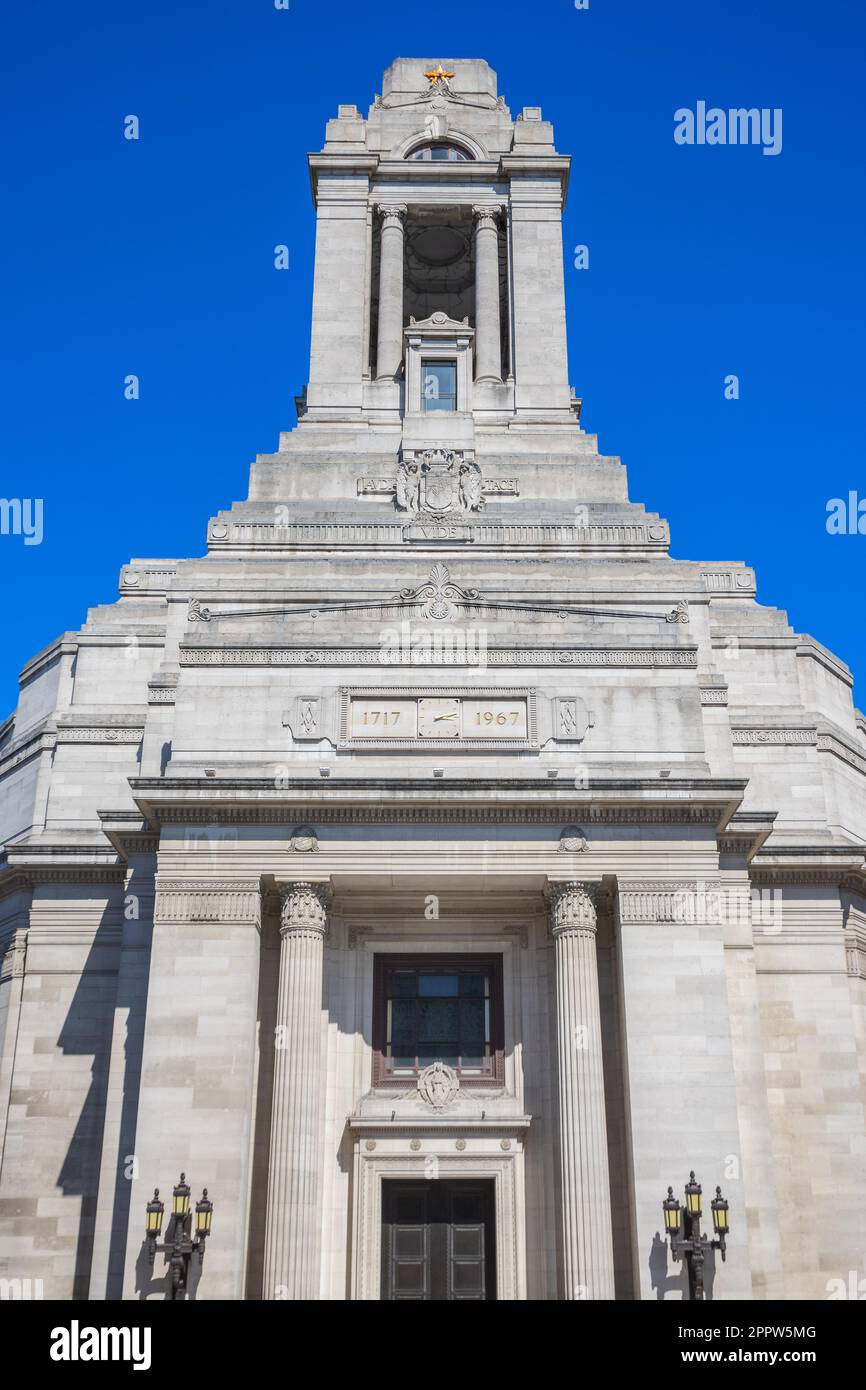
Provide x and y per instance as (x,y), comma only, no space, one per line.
(38,740)
(809,866)
(461,801)
(65,645)
(59,862)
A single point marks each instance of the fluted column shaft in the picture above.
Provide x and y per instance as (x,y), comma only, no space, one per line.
(293,1233)
(390,337)
(488,347)
(587,1241)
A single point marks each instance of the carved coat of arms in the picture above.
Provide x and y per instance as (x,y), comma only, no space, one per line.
(439,481)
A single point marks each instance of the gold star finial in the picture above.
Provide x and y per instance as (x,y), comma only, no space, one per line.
(438,75)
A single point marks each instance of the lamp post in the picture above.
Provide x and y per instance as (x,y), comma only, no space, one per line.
(683,1227)
(180,1245)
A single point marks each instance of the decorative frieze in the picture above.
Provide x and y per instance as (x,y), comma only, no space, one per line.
(665,902)
(208,900)
(714,694)
(829,743)
(728,581)
(154,580)
(28,746)
(100,733)
(458,655)
(855,956)
(618,536)
(217,814)
(757,736)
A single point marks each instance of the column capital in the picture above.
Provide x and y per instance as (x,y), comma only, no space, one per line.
(572,908)
(392,214)
(304,907)
(486,217)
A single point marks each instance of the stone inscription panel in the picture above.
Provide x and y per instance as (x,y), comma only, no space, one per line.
(384,718)
(494,719)
(501,718)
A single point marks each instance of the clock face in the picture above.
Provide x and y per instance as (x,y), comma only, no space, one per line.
(439,718)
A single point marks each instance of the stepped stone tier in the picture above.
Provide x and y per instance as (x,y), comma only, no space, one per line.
(437,868)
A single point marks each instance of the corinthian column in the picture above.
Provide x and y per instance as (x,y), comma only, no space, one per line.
(587,1243)
(293,1234)
(488,350)
(390,340)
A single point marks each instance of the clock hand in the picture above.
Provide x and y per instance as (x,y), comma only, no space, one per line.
(437,717)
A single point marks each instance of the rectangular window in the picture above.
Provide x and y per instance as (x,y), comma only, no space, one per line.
(438,1009)
(438,386)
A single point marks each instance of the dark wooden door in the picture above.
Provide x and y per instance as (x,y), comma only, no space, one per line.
(438,1241)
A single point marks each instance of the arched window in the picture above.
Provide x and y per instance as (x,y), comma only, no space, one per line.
(440,151)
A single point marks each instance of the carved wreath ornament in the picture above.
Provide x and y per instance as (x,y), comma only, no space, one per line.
(438,1084)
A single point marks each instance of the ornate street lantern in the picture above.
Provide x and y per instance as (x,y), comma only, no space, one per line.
(671,1208)
(180,1197)
(693,1195)
(720,1219)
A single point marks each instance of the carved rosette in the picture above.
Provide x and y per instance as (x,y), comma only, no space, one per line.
(304,909)
(572,909)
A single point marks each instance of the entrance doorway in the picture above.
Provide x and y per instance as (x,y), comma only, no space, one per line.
(438,1241)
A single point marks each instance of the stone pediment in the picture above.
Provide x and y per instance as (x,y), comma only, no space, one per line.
(440,323)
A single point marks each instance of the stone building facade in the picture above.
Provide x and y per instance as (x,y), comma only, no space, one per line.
(436,869)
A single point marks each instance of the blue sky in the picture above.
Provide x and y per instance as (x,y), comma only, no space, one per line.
(155,257)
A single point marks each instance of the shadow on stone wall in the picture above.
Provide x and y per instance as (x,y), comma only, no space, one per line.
(673,1278)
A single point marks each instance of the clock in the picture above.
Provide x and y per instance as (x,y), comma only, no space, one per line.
(439,718)
(405,718)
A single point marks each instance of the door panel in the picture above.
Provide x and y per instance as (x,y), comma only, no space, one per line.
(438,1241)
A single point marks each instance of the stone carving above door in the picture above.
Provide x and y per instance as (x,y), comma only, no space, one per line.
(438,1085)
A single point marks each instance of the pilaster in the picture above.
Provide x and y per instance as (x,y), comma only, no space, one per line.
(197,1071)
(680,1080)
